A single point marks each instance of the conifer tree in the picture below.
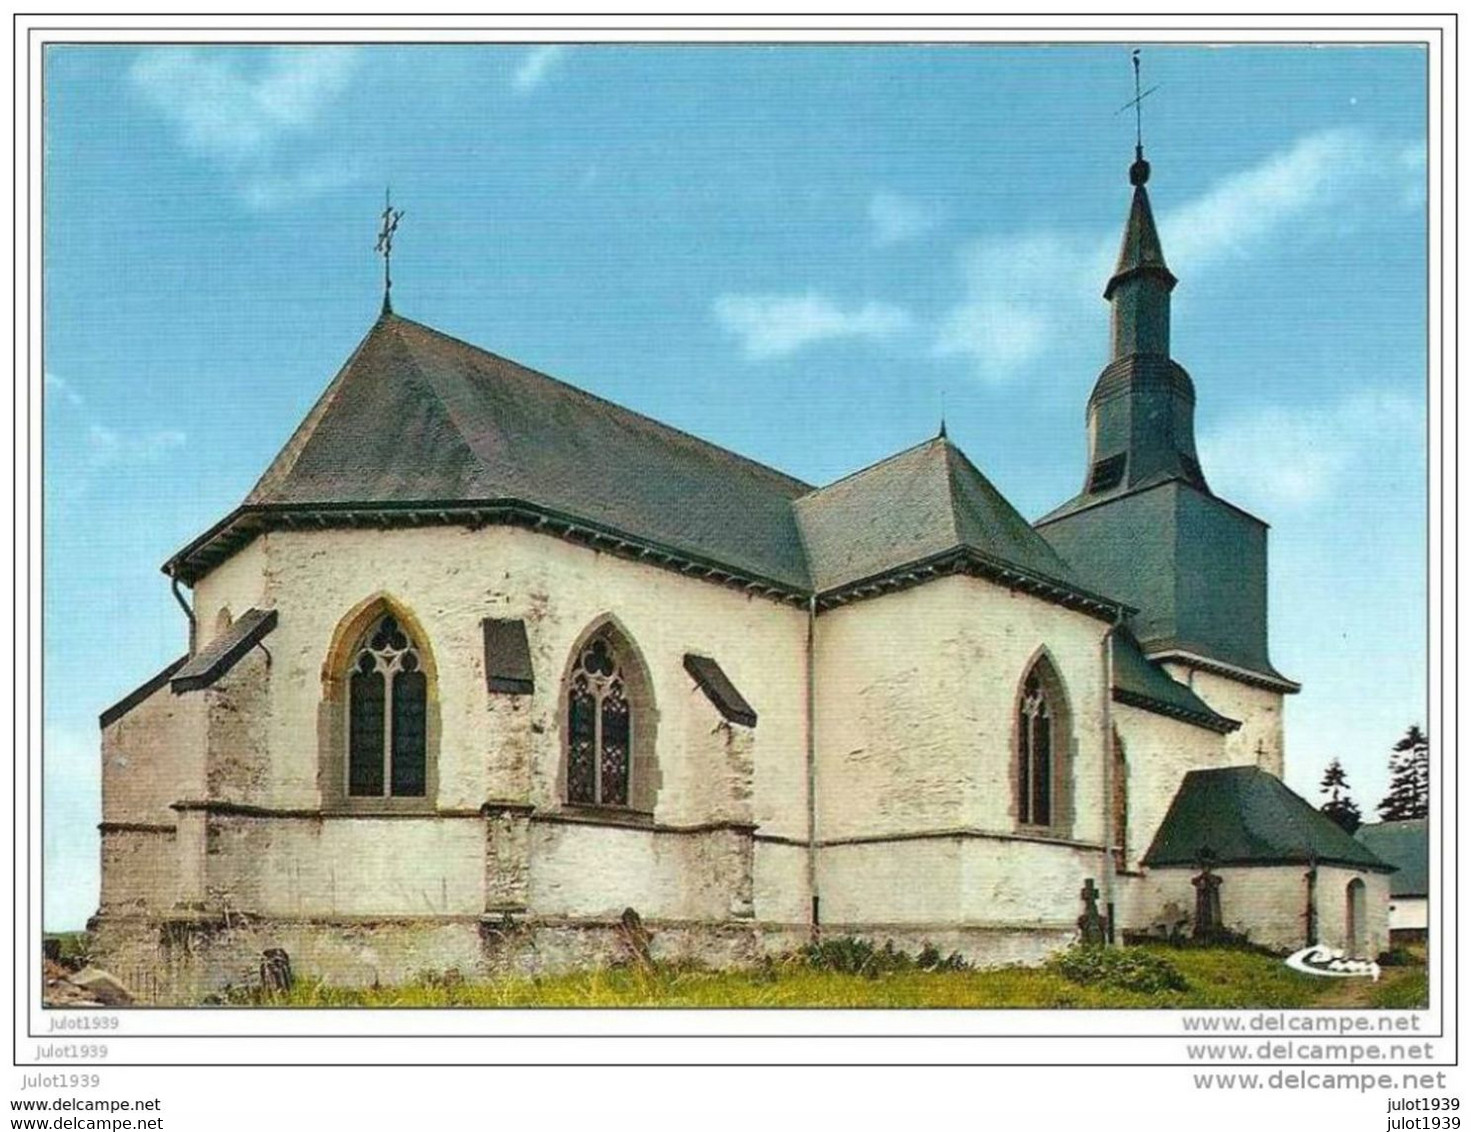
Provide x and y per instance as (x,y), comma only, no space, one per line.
(1340,807)
(1409,778)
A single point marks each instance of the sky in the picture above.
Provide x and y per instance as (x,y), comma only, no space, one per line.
(802,253)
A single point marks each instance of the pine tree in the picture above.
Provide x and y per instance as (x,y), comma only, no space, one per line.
(1409,778)
(1340,807)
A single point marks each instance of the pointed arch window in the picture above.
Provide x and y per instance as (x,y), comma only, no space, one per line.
(1034,755)
(387,732)
(600,727)
(1042,767)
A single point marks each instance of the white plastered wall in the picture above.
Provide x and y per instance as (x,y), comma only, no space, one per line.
(1259,740)
(509,748)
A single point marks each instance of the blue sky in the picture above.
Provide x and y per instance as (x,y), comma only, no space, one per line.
(796,252)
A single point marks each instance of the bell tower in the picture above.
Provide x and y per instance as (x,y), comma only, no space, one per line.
(1145,526)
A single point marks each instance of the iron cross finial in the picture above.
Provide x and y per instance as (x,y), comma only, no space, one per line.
(391,217)
(1139,172)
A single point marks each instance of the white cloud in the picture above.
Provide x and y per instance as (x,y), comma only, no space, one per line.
(109,447)
(1281,458)
(537,65)
(64,388)
(774,326)
(896,219)
(270,190)
(1243,210)
(1020,293)
(1024,294)
(238,108)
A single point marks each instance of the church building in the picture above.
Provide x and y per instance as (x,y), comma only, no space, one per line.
(484,661)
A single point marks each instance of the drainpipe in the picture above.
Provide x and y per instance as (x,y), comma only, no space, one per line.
(816,920)
(189,613)
(1109,833)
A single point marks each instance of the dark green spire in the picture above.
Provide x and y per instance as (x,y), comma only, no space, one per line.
(1141,284)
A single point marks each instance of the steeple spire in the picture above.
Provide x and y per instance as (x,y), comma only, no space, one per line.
(1141,284)
(1141,416)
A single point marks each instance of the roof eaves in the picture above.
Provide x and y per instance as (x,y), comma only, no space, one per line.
(1220,724)
(193,562)
(956,560)
(1272,680)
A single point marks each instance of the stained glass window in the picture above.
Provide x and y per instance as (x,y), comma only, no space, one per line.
(388,696)
(599,728)
(1034,754)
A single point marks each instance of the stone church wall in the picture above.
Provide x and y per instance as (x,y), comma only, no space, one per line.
(1158,752)
(917,704)
(1268,903)
(1259,740)
(261,729)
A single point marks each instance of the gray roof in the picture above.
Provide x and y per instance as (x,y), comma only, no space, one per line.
(915,506)
(416,416)
(1246,816)
(422,427)
(1141,249)
(1142,683)
(1406,845)
(719,689)
(213,661)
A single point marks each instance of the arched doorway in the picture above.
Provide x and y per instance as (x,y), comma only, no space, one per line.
(1355,942)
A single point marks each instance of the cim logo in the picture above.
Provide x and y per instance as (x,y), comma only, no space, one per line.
(1322,960)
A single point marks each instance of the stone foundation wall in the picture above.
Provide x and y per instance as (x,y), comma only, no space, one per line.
(186,963)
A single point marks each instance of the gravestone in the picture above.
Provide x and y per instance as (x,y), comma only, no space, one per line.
(1091,924)
(1208,923)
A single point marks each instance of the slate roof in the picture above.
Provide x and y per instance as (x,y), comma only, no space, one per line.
(1142,683)
(418,426)
(1406,845)
(911,507)
(416,416)
(719,689)
(1246,816)
(1141,248)
(213,661)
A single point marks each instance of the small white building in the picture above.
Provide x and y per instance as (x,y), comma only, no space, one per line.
(1406,846)
(484,660)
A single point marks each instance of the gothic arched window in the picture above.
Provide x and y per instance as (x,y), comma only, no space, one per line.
(1034,755)
(600,727)
(387,716)
(1043,738)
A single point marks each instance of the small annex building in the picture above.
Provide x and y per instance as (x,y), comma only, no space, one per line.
(484,661)
(1289,876)
(1405,845)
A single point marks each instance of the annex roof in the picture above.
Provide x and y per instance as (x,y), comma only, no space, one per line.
(1245,816)
(1406,845)
(1140,682)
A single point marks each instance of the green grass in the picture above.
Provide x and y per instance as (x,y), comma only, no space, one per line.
(1411,991)
(1212,978)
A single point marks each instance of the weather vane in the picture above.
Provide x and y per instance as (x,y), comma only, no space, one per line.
(1139,172)
(391,217)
